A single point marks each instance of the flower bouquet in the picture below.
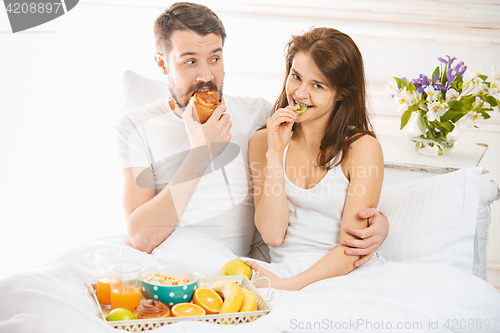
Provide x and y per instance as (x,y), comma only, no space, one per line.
(440,101)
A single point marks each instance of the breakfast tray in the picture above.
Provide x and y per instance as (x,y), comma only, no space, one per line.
(137,325)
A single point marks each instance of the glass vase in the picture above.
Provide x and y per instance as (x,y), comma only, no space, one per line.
(430,143)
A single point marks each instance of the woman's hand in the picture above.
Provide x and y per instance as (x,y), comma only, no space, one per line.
(276,282)
(279,128)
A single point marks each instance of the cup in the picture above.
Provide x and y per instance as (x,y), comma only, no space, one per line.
(125,285)
(104,259)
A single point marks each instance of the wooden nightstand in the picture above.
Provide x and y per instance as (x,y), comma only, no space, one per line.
(403,164)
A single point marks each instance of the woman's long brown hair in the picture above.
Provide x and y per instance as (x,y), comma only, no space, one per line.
(339,59)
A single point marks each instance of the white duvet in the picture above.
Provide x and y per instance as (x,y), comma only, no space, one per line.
(378,297)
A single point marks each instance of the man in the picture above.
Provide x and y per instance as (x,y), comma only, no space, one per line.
(180,174)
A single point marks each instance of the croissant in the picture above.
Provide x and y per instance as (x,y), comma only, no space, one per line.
(206,102)
(152,309)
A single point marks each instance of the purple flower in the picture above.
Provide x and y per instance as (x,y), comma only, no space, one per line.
(421,83)
(439,86)
(451,61)
(436,83)
(453,72)
(447,62)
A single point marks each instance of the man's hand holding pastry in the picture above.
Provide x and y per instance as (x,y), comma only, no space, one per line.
(214,132)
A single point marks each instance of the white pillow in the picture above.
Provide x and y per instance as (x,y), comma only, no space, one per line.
(139,90)
(489,193)
(434,220)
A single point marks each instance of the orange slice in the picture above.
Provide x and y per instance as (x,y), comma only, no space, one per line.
(187,309)
(208,300)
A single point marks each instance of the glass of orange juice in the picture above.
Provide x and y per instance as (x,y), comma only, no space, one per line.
(125,285)
(104,259)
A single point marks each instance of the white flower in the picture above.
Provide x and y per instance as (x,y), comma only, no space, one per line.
(392,87)
(413,97)
(432,94)
(452,95)
(472,118)
(474,74)
(495,88)
(472,87)
(467,87)
(485,89)
(436,110)
(405,99)
(495,75)
(402,103)
(478,102)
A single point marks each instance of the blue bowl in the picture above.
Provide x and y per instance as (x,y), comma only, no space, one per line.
(171,295)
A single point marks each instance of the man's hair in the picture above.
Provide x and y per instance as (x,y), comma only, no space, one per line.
(189,17)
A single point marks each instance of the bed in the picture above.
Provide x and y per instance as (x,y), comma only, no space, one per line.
(434,279)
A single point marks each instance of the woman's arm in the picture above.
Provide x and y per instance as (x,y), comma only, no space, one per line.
(265,155)
(271,203)
(364,166)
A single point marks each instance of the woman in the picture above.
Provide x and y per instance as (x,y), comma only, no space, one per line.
(314,171)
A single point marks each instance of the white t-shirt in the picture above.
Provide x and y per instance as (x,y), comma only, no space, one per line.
(222,204)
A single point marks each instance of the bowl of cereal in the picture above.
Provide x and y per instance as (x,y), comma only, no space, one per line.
(169,284)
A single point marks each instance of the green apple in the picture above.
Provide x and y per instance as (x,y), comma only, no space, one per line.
(236,267)
(120,314)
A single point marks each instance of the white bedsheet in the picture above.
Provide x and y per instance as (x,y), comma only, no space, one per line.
(420,297)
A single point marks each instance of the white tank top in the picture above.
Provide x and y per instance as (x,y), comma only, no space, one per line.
(315,219)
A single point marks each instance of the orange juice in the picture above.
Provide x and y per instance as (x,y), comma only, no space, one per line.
(104,291)
(127,297)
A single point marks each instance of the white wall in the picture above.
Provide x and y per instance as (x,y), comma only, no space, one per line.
(60,100)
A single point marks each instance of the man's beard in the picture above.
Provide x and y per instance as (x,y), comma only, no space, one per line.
(182,98)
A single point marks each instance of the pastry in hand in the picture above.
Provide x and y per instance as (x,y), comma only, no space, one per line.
(151,308)
(205,102)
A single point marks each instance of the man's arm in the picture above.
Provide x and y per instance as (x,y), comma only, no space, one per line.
(152,218)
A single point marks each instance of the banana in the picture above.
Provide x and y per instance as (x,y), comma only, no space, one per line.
(249,302)
(231,293)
